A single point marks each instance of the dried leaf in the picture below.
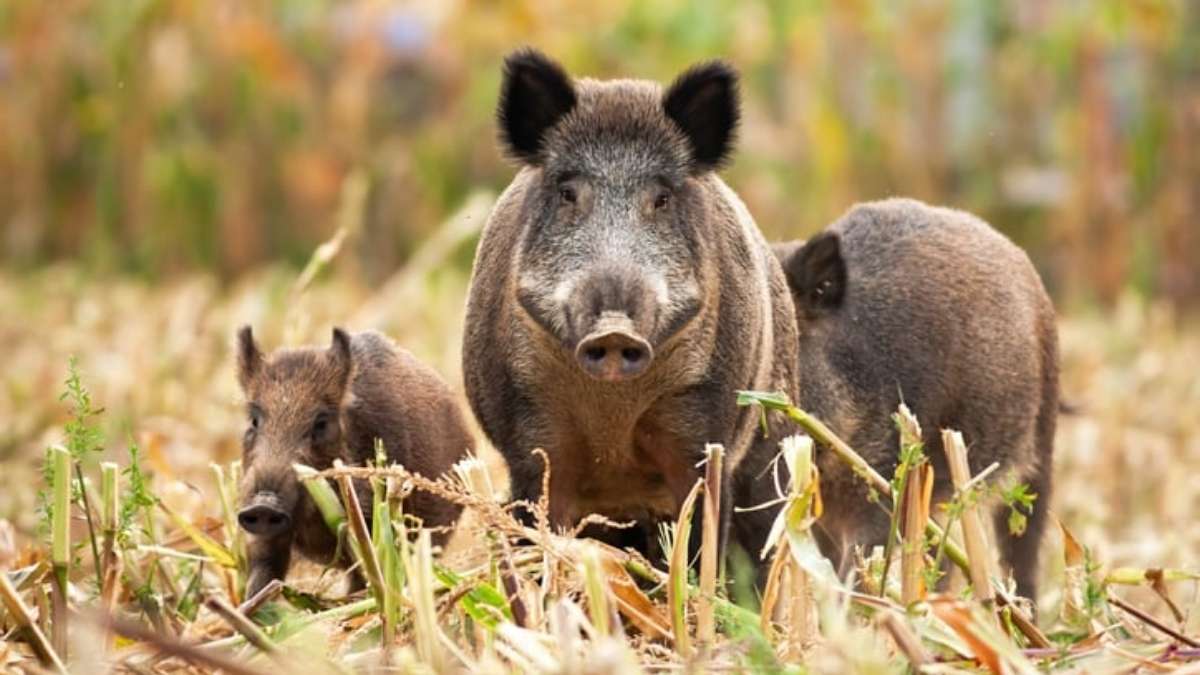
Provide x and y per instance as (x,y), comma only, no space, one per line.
(957,615)
(1156,578)
(631,601)
(1073,553)
(219,554)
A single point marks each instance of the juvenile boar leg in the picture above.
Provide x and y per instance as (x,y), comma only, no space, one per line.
(1019,553)
(268,559)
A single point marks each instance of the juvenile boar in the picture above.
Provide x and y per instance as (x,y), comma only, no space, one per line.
(900,301)
(621,294)
(314,405)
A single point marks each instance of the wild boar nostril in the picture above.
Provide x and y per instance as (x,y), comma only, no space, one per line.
(264,520)
(614,356)
(247,520)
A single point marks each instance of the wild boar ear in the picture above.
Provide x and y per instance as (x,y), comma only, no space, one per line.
(249,357)
(785,250)
(534,96)
(704,103)
(339,354)
(816,272)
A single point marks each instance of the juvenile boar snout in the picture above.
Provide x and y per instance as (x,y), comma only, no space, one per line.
(264,516)
(614,352)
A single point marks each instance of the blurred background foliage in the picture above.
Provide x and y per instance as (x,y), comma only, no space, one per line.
(155,137)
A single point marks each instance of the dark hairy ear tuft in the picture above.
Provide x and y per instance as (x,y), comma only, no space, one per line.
(248,355)
(816,273)
(534,96)
(339,354)
(703,101)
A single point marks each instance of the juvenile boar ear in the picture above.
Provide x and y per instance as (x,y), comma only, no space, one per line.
(816,272)
(339,353)
(704,103)
(249,357)
(534,96)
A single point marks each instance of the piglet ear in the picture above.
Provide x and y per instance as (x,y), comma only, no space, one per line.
(535,94)
(816,273)
(248,355)
(340,355)
(704,103)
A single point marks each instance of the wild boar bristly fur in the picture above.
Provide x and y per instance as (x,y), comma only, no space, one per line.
(900,301)
(621,295)
(313,405)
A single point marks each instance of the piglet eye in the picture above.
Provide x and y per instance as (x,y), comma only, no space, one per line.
(320,425)
(662,200)
(567,194)
(255,418)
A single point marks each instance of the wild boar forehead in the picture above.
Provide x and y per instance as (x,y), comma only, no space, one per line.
(618,131)
(297,384)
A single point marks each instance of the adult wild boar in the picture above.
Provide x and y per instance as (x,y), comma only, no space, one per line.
(621,295)
(900,301)
(312,406)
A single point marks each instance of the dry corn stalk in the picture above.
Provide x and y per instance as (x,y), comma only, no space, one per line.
(706,629)
(361,534)
(677,586)
(906,641)
(918,492)
(979,554)
(23,618)
(60,552)
(787,578)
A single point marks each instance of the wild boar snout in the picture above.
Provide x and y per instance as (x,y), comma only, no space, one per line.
(612,313)
(264,515)
(614,352)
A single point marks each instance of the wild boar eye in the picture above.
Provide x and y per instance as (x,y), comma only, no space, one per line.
(255,418)
(662,200)
(567,194)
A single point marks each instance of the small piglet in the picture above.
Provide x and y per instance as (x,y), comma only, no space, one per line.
(312,406)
